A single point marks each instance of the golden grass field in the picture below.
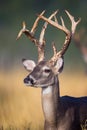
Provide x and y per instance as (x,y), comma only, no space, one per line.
(20,106)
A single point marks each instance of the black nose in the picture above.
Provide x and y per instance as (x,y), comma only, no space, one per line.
(28,80)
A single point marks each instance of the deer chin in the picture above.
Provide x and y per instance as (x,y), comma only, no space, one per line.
(38,85)
(28,84)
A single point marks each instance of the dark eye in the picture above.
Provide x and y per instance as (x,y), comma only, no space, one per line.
(47,70)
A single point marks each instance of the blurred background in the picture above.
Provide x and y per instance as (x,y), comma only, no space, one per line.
(19,105)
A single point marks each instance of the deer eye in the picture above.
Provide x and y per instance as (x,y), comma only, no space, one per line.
(47,70)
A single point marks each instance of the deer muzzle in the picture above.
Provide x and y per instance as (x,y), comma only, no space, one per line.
(29,81)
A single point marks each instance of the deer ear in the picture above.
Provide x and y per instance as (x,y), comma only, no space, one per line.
(59,65)
(28,64)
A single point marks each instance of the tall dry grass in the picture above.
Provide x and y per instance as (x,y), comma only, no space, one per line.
(20,106)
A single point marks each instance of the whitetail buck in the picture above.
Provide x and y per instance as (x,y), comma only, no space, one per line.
(81,45)
(61,113)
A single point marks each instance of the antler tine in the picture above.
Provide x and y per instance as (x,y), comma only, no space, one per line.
(36,23)
(21,31)
(62,22)
(54,48)
(41,39)
(74,24)
(55,18)
(30,34)
(45,26)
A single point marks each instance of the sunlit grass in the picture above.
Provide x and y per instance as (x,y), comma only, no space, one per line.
(20,106)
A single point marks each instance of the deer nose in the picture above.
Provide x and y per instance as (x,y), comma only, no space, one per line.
(26,80)
(29,80)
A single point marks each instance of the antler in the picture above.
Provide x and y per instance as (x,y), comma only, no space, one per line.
(30,34)
(68,33)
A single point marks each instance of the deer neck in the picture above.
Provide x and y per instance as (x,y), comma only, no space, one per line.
(50,99)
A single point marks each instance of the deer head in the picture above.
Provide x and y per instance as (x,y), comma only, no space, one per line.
(42,74)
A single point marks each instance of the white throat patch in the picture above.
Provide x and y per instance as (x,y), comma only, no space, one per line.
(47,90)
